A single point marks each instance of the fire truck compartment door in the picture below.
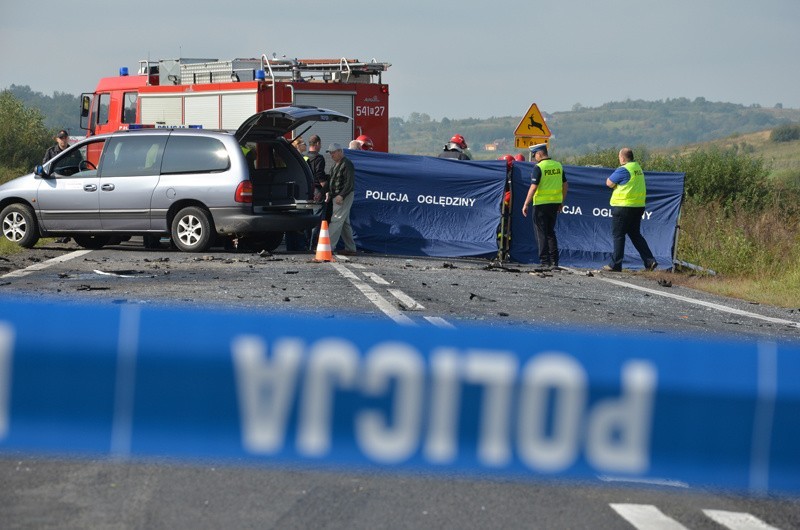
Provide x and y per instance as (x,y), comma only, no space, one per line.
(338,132)
(270,124)
(167,110)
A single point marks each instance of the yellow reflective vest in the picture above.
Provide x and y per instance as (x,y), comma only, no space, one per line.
(550,189)
(634,192)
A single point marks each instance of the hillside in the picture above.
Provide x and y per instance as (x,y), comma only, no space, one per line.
(783,158)
(657,125)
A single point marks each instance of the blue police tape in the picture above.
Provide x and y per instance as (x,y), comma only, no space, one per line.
(137,381)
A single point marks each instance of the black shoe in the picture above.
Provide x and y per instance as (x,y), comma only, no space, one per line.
(609,268)
(652,265)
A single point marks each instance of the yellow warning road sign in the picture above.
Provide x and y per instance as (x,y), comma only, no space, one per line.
(533,124)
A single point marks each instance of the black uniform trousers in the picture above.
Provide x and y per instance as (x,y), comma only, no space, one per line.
(544,224)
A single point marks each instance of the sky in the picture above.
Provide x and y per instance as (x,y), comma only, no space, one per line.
(464,59)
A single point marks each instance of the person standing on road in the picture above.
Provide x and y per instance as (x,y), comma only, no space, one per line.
(62,142)
(340,198)
(317,163)
(627,207)
(297,240)
(547,192)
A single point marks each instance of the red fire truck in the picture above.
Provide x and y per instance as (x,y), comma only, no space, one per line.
(215,94)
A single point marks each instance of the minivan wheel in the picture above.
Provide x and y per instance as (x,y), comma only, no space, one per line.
(19,225)
(192,230)
(92,242)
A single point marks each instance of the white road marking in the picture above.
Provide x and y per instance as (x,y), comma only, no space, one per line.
(718,307)
(738,520)
(440,322)
(19,273)
(646,517)
(408,302)
(380,302)
(375,278)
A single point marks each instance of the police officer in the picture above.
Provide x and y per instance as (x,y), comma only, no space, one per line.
(627,208)
(547,192)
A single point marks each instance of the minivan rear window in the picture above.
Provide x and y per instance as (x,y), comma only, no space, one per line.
(194,154)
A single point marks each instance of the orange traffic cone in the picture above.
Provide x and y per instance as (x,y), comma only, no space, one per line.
(324,252)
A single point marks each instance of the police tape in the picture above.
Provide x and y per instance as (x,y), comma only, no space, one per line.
(139,381)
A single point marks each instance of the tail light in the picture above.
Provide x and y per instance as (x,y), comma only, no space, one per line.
(244,192)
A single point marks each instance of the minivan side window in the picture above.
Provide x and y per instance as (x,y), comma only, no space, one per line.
(194,154)
(129,156)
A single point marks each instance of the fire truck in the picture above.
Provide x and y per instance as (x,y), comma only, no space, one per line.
(221,94)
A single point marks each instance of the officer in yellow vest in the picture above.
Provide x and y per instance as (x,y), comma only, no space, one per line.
(547,192)
(627,208)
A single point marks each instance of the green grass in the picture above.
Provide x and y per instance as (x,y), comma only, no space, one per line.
(756,254)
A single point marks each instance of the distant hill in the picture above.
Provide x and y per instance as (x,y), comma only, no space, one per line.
(60,111)
(783,158)
(656,125)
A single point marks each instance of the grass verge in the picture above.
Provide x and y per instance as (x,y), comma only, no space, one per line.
(756,254)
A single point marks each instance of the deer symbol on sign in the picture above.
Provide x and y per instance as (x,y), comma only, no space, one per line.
(535,124)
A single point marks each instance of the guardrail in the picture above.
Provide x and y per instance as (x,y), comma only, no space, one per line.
(139,381)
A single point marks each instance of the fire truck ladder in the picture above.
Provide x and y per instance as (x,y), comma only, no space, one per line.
(327,67)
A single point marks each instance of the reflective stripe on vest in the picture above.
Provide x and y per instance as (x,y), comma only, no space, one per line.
(633,192)
(549,190)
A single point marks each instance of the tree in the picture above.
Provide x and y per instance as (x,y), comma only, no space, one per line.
(23,136)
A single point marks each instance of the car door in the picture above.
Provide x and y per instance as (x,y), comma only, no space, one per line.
(68,194)
(129,172)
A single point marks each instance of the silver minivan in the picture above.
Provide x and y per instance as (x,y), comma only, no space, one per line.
(189,184)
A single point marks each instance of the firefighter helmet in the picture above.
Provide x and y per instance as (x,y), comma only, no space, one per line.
(459,141)
(519,157)
(366,142)
(509,160)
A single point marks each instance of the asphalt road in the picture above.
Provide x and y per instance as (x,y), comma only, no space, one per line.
(40,492)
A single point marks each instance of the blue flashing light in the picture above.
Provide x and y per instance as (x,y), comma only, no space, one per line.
(123,71)
(261,75)
(195,126)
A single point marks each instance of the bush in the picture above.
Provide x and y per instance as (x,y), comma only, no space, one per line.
(727,177)
(785,133)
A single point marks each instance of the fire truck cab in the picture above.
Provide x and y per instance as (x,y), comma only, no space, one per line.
(214,94)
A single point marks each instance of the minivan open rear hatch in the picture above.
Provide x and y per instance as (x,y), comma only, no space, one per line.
(270,124)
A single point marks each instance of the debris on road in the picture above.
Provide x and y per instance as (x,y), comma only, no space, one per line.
(473,296)
(90,288)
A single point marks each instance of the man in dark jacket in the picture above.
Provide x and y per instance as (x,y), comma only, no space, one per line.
(62,142)
(342,188)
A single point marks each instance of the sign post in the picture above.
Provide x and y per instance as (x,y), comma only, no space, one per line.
(532,129)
